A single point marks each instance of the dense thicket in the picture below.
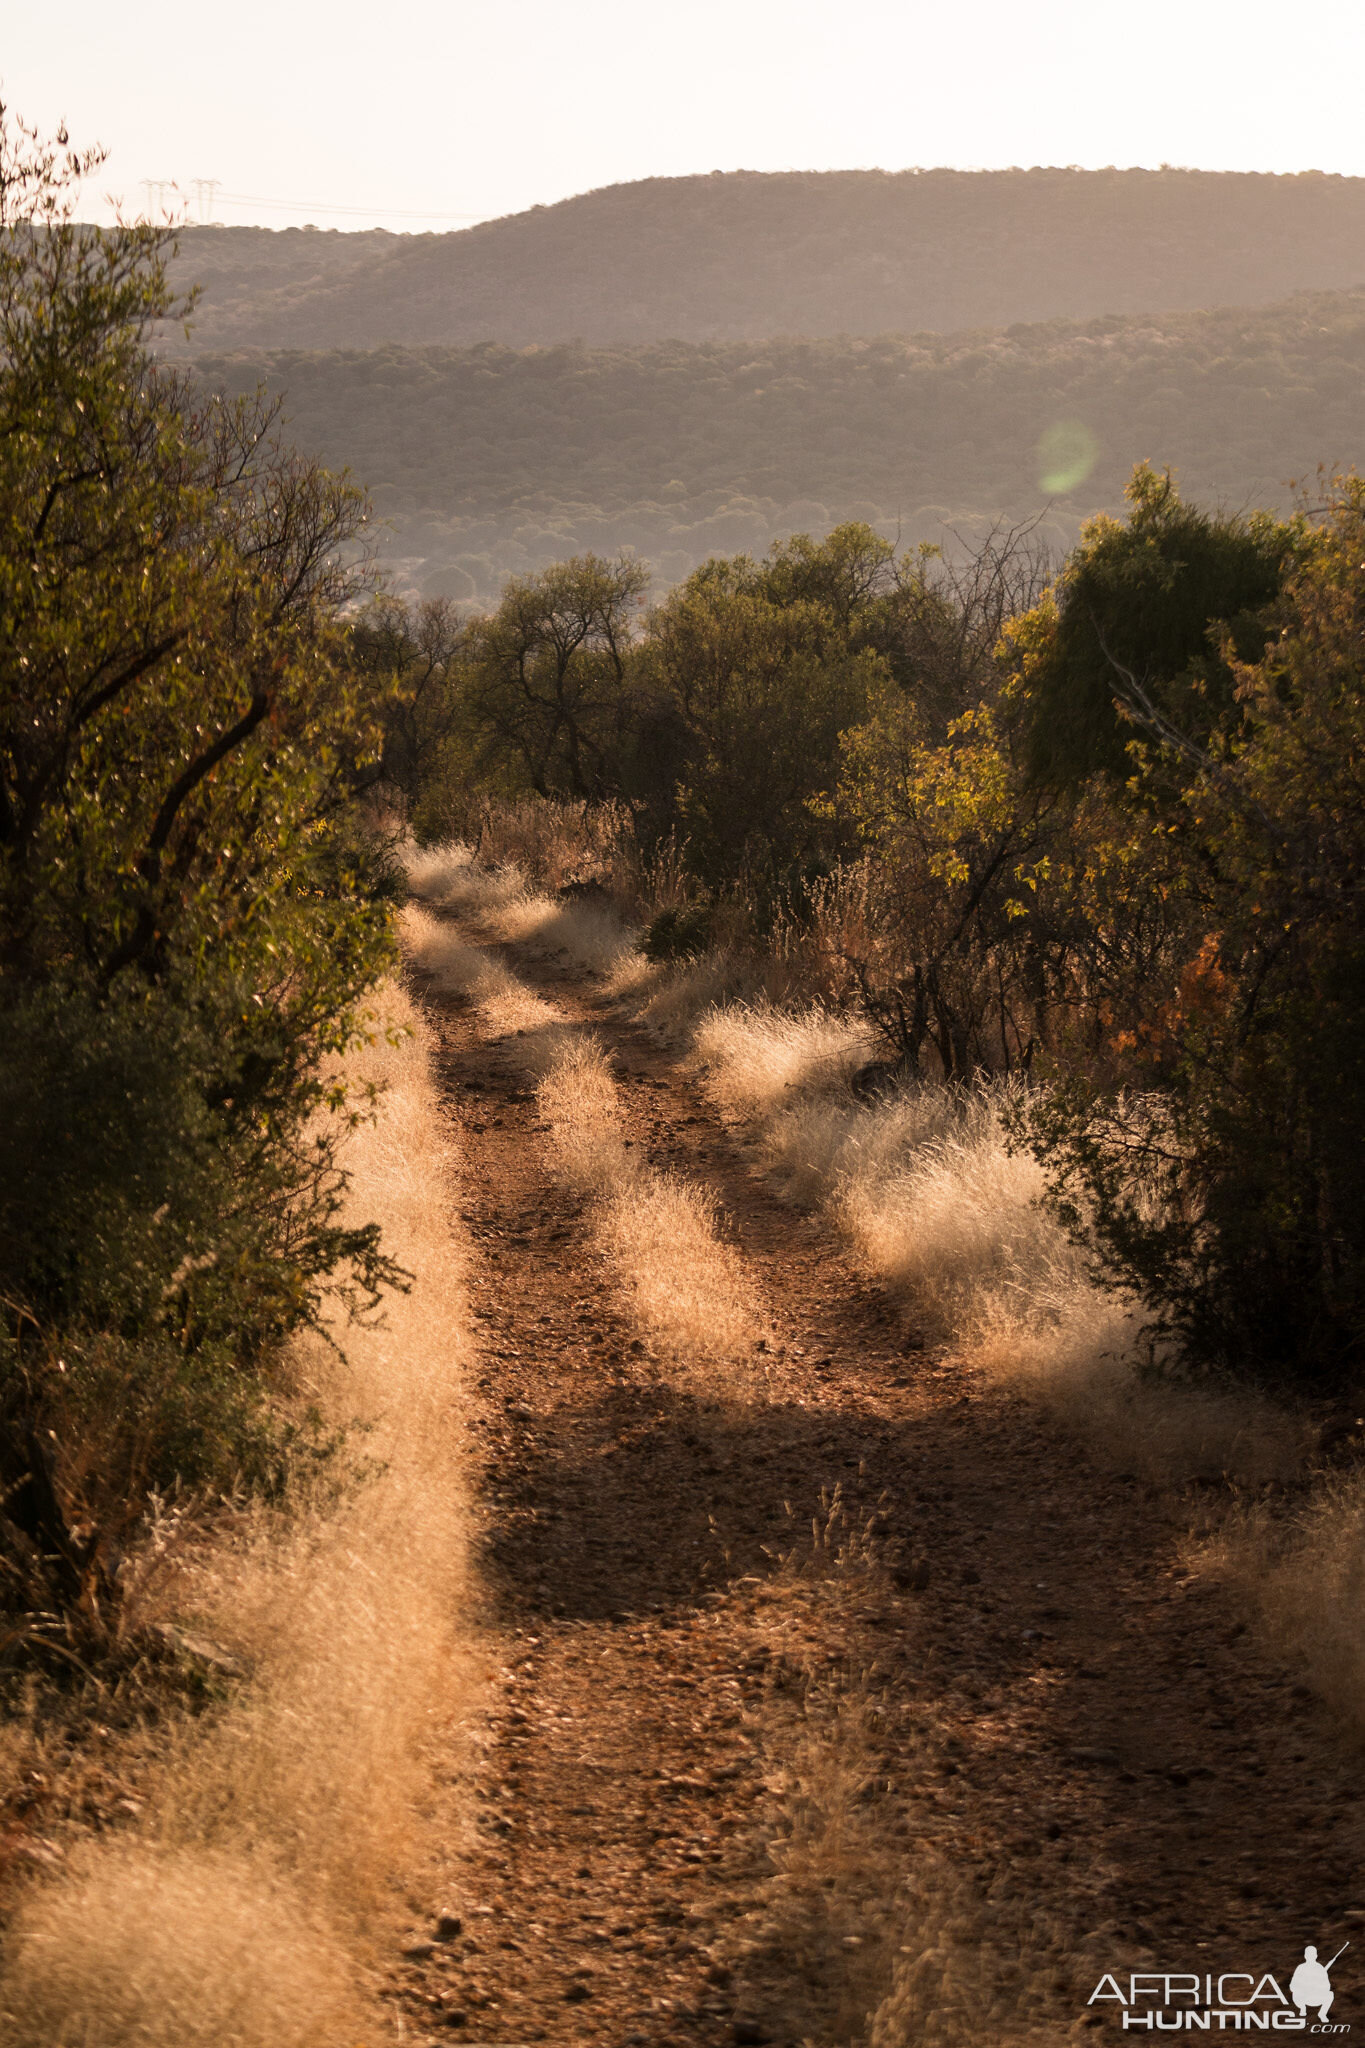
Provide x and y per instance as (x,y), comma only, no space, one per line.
(495,461)
(1105,827)
(747,254)
(189,917)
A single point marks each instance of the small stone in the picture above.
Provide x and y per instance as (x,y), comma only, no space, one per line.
(749,2034)
(449,1927)
(575,1993)
(418,1951)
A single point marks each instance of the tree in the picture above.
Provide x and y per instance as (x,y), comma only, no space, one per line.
(190,918)
(548,674)
(762,681)
(410,658)
(1140,625)
(1219,1174)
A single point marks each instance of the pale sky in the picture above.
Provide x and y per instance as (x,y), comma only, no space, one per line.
(384,114)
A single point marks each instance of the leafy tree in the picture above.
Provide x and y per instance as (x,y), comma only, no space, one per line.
(547,674)
(1225,1182)
(189,916)
(1141,625)
(762,681)
(410,657)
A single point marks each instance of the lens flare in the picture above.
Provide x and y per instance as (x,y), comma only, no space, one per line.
(1066,454)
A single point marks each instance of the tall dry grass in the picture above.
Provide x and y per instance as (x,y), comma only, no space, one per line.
(513,908)
(1303,1573)
(240,1910)
(925,1184)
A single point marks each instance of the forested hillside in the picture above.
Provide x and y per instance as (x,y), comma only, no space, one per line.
(489,461)
(747,254)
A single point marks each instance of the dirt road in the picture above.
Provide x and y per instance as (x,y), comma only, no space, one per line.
(1051,1702)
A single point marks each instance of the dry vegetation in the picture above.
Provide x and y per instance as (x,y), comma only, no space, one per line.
(680,1284)
(925,1184)
(1302,1574)
(922,1178)
(238,1908)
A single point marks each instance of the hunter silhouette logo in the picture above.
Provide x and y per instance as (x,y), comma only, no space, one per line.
(1230,2001)
(1310,1983)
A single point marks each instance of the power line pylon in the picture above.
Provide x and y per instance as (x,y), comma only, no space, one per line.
(156,190)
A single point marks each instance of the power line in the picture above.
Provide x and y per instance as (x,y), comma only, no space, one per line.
(211,189)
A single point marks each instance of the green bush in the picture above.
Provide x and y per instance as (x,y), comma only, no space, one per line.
(190,913)
(1219,1172)
(679,934)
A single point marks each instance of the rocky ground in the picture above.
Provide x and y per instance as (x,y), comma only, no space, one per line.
(711,1770)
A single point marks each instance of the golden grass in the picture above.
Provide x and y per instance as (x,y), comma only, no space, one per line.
(509,904)
(139,1946)
(504,1002)
(755,1055)
(925,1185)
(238,1909)
(683,1286)
(1304,1575)
(680,1284)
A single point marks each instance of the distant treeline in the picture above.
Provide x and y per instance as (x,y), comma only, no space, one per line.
(492,461)
(746,254)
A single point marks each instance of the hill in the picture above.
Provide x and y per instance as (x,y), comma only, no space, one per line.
(744,255)
(490,461)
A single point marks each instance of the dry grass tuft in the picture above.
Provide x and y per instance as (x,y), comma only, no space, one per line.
(1304,1574)
(580,1103)
(681,1286)
(504,1003)
(757,1055)
(141,1947)
(589,935)
(271,1833)
(975,1968)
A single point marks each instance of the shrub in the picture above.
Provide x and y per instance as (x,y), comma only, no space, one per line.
(1224,1183)
(190,915)
(679,934)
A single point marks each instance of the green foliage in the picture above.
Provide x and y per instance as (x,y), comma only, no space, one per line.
(546,675)
(408,659)
(190,916)
(756,664)
(1142,626)
(1220,1171)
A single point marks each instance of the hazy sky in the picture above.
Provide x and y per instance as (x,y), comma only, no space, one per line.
(356,115)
